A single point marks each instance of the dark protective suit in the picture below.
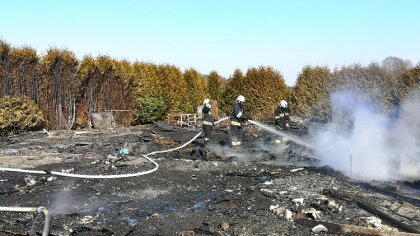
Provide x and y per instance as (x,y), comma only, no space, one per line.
(236,120)
(208,121)
(282,117)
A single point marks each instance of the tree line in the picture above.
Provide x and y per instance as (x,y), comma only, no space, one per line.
(386,86)
(67,90)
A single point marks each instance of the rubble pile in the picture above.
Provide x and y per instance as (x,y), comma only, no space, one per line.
(255,189)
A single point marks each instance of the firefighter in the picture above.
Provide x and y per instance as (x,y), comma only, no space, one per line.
(237,119)
(282,119)
(208,121)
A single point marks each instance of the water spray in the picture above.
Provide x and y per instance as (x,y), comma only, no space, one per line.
(281,133)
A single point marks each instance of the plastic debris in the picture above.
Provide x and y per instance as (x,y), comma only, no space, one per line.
(67,171)
(86,220)
(312,213)
(371,221)
(124,151)
(224,226)
(51,178)
(319,228)
(132,222)
(288,215)
(30,181)
(297,169)
(278,211)
(298,201)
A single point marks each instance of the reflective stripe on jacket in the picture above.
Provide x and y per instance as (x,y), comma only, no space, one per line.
(207,118)
(237,113)
(281,116)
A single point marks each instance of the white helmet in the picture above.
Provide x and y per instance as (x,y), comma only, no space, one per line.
(206,101)
(240,98)
(283,104)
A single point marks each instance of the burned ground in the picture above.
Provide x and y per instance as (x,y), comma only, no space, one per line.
(212,190)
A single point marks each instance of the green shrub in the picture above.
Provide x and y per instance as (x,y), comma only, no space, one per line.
(149,109)
(19,114)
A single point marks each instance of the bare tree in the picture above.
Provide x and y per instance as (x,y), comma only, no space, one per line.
(5,70)
(396,66)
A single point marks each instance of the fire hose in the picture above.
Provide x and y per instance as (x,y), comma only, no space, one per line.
(111,176)
(33,209)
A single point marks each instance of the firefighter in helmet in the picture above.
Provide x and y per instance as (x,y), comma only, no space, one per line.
(208,121)
(237,119)
(282,119)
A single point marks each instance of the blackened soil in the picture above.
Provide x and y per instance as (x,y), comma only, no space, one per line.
(195,189)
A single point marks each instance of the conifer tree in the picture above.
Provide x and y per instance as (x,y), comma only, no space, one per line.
(263,88)
(311,94)
(232,90)
(215,85)
(197,89)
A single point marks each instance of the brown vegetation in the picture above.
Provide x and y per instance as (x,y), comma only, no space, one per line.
(68,90)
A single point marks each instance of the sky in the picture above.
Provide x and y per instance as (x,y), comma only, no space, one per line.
(220,35)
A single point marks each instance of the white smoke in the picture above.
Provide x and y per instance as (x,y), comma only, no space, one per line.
(366,144)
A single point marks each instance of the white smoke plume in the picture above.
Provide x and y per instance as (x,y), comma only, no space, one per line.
(366,144)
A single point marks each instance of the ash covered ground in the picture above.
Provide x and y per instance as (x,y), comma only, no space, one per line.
(259,188)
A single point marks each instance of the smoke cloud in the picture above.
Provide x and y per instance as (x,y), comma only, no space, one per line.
(365,144)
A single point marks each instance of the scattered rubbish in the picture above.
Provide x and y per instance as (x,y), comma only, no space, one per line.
(229,190)
(268,192)
(46,132)
(206,227)
(297,169)
(124,151)
(319,228)
(4,180)
(331,203)
(272,207)
(268,183)
(188,233)
(298,201)
(116,153)
(80,132)
(371,221)
(288,215)
(67,171)
(86,220)
(51,178)
(312,213)
(279,211)
(155,215)
(224,226)
(132,222)
(30,181)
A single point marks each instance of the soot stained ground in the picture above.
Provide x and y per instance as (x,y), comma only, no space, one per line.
(211,190)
